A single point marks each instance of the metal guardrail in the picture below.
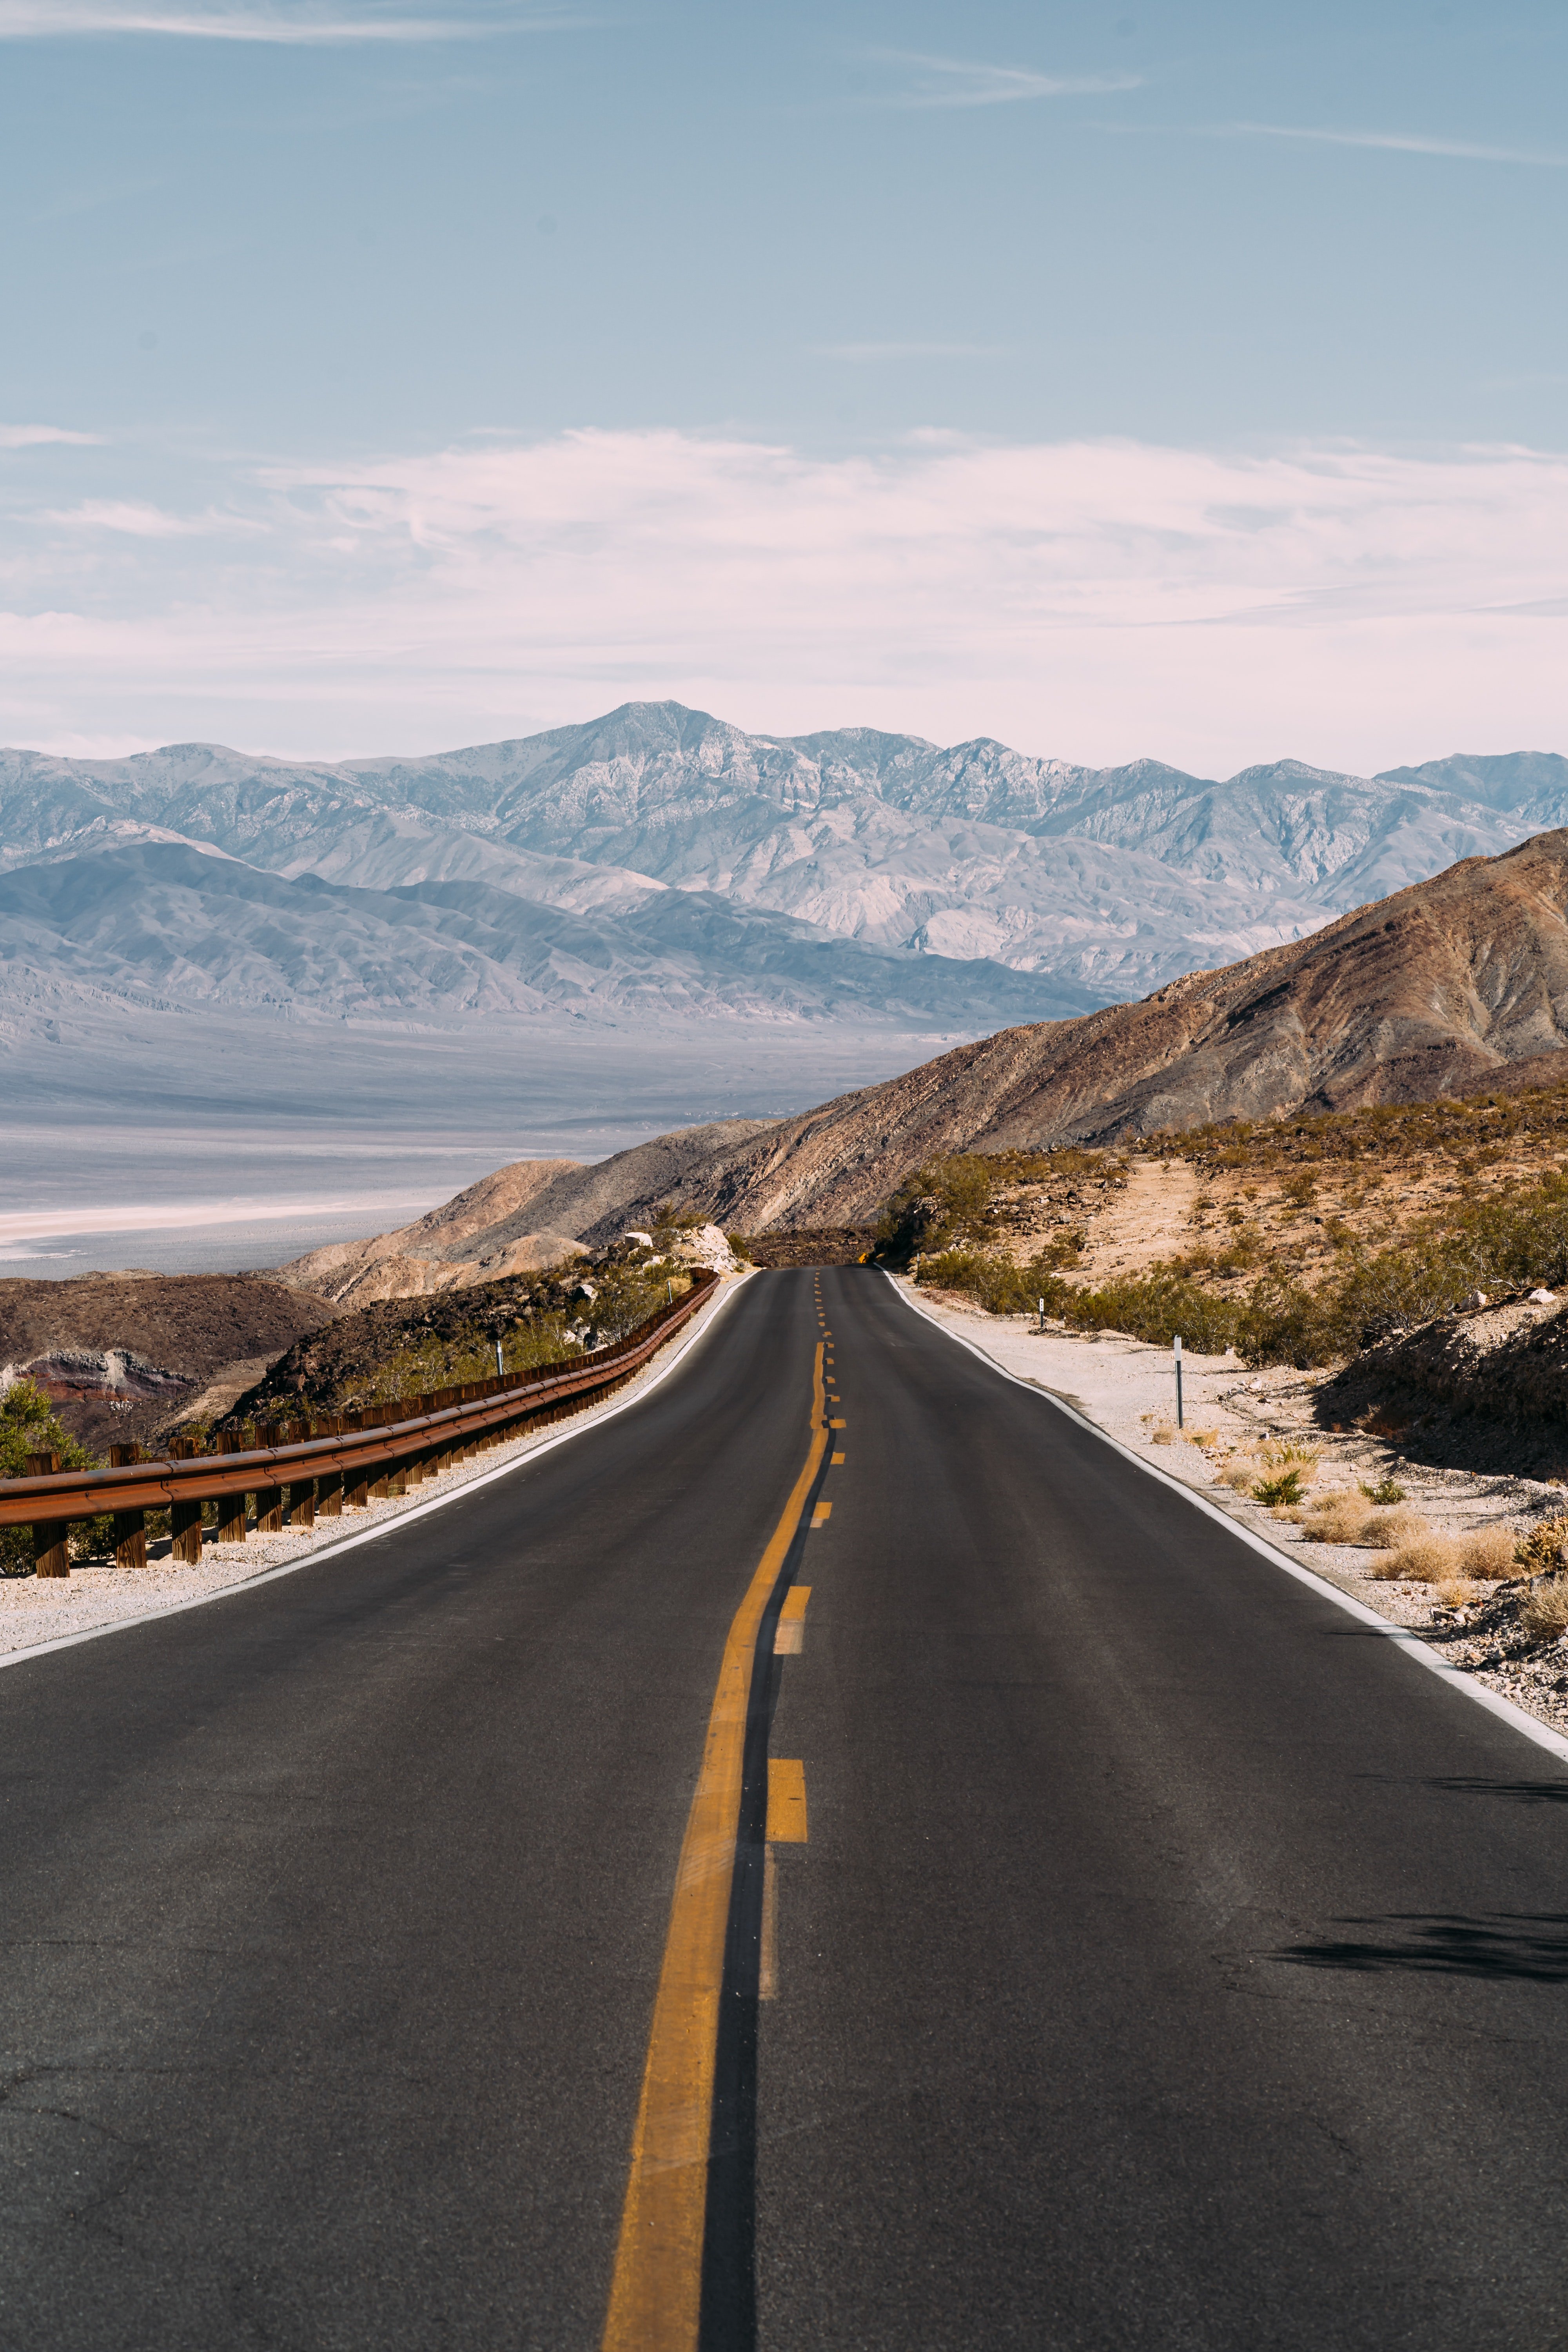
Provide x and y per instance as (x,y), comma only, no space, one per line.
(339,1460)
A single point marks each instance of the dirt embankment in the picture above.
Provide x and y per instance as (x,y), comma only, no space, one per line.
(123,1355)
(1486,1389)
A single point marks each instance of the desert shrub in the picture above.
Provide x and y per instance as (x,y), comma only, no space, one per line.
(1386,1491)
(1287,1455)
(1283,1488)
(1544,1611)
(1162,1434)
(1337,1518)
(669,1221)
(28,1425)
(940,1202)
(1424,1560)
(993,1281)
(1204,1437)
(1155,1307)
(1386,1530)
(1544,1547)
(1489,1554)
(740,1245)
(1457,1592)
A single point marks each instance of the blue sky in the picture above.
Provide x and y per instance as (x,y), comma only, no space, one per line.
(258,258)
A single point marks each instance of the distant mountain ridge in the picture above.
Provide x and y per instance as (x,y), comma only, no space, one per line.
(1101,883)
(164,924)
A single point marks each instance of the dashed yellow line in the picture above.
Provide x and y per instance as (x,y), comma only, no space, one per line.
(656,2292)
(786,1800)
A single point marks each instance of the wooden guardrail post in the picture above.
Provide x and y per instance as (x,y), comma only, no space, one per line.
(268,1499)
(50,1536)
(445,1446)
(356,1481)
(330,1485)
(419,1460)
(380,1486)
(185,1518)
(301,1491)
(130,1527)
(403,1473)
(231,1527)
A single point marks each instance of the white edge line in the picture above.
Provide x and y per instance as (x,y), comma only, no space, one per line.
(593,1418)
(1408,1641)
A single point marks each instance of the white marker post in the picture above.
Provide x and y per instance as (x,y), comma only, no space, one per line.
(1179,1423)
(1042,1313)
(501,1368)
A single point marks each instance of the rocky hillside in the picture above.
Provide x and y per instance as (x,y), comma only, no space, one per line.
(1424,993)
(531,1214)
(122,1356)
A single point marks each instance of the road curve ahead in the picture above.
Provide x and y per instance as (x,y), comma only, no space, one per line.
(1123,1945)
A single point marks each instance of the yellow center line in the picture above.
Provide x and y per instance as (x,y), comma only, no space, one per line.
(655,2292)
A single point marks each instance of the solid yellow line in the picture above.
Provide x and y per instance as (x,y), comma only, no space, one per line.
(655,2292)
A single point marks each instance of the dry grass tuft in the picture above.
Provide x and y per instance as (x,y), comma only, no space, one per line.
(1162,1434)
(1283,1458)
(1389,1529)
(1424,1560)
(1457,1592)
(1490,1554)
(1337,1518)
(1543,1613)
(1240,1472)
(1201,1436)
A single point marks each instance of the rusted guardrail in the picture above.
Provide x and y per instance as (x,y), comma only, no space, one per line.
(298,1469)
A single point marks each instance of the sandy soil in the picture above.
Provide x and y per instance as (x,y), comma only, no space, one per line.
(1149,1218)
(1127,1388)
(99,1593)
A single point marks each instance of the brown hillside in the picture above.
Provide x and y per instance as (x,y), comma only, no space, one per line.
(431,1254)
(1425,993)
(123,1354)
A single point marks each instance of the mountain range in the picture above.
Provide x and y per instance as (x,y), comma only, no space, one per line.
(657,863)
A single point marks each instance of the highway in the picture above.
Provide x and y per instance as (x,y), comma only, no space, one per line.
(1123,1947)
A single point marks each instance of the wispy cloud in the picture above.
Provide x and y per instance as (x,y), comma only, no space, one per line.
(35,436)
(864,351)
(1095,599)
(139,520)
(958,81)
(300,27)
(1399,142)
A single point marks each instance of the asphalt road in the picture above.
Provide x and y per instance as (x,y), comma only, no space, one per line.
(1170,1962)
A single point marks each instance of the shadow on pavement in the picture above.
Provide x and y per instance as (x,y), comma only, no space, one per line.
(1530,1946)
(1512,1792)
